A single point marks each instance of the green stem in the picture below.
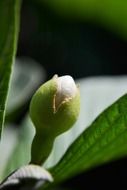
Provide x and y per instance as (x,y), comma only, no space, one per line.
(41,148)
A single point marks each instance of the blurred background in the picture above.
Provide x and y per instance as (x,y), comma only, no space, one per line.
(83,38)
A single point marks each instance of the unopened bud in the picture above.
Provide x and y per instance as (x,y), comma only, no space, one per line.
(54,109)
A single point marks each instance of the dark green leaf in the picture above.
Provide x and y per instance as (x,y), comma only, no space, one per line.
(107,13)
(105,140)
(9,24)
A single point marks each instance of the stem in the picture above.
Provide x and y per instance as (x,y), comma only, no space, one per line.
(41,148)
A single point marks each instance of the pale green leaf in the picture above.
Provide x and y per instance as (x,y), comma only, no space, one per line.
(21,153)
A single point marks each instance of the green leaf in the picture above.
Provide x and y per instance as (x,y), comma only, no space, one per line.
(9,25)
(105,140)
(110,14)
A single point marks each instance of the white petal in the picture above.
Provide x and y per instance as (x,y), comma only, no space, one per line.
(66,88)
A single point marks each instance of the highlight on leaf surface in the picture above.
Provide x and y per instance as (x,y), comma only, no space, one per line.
(54,109)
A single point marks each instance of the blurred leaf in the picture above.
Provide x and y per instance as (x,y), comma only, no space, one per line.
(111,14)
(8,143)
(22,152)
(9,24)
(104,141)
(23,89)
(73,8)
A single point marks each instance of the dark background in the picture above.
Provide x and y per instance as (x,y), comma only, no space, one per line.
(79,48)
(67,46)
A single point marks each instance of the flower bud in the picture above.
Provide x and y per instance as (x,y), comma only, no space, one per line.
(54,109)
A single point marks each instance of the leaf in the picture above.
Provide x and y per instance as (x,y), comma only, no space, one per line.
(23,89)
(22,151)
(107,13)
(8,143)
(26,177)
(97,93)
(9,24)
(105,140)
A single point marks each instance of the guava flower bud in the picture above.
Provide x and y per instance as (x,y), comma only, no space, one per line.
(54,109)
